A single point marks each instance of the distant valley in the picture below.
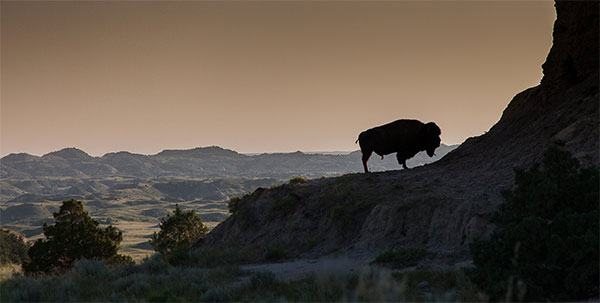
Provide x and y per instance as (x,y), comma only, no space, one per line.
(202,162)
(133,191)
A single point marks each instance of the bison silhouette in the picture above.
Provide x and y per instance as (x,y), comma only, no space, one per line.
(404,137)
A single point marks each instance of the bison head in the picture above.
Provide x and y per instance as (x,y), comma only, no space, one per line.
(431,135)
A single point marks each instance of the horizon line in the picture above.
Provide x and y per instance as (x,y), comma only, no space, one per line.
(247,153)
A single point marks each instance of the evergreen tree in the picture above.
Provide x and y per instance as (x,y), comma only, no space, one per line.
(182,229)
(545,246)
(74,236)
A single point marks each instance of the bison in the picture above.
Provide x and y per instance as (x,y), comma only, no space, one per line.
(404,137)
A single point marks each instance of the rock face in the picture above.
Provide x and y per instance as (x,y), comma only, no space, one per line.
(441,206)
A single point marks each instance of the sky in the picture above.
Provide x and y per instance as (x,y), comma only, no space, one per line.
(273,76)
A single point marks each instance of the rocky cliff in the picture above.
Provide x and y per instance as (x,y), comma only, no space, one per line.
(444,205)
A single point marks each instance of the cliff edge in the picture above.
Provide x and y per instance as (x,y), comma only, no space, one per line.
(445,205)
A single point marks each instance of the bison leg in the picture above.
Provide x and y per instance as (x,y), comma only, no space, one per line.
(365,158)
(401,160)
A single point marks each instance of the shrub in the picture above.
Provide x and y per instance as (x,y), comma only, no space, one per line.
(233,204)
(341,217)
(180,229)
(215,294)
(401,257)
(74,236)
(297,180)
(314,241)
(284,206)
(12,248)
(91,268)
(545,246)
(262,279)
(163,295)
(274,253)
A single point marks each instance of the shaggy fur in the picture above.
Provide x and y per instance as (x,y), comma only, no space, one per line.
(404,137)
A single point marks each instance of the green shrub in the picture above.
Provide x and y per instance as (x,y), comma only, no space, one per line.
(233,204)
(314,241)
(91,268)
(438,285)
(545,246)
(347,209)
(74,236)
(180,229)
(274,253)
(262,279)
(340,216)
(215,294)
(401,257)
(297,180)
(155,264)
(241,208)
(12,248)
(285,206)
(162,295)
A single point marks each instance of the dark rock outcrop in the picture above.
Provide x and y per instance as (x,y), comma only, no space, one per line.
(445,205)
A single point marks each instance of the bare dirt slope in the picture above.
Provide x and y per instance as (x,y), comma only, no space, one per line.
(445,205)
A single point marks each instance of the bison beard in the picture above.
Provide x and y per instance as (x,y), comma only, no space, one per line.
(404,137)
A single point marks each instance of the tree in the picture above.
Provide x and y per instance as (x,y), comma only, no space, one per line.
(180,229)
(545,245)
(13,248)
(74,236)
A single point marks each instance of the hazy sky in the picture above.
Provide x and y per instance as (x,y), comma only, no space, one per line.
(258,76)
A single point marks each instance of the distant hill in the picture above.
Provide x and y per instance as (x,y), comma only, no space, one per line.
(133,191)
(199,162)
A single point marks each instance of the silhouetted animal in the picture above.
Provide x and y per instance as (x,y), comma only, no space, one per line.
(404,137)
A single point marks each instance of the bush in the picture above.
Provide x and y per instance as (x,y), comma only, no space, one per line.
(180,229)
(262,279)
(285,206)
(297,180)
(341,217)
(233,204)
(545,246)
(12,248)
(74,236)
(274,253)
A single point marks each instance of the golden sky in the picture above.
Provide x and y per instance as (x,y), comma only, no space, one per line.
(273,76)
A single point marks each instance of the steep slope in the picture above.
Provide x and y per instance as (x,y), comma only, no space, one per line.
(444,205)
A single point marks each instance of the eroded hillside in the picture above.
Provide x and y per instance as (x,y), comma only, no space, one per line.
(445,205)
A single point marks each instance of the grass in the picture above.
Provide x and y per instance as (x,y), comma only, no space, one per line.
(439,285)
(401,257)
(155,280)
(7,271)
(368,285)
